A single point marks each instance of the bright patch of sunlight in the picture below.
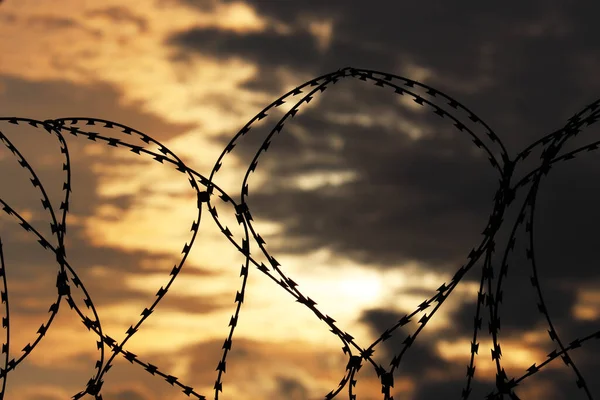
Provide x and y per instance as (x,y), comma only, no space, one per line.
(318,180)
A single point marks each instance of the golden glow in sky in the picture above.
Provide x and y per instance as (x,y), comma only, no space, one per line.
(124,45)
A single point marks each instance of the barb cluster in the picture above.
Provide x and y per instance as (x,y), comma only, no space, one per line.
(439,103)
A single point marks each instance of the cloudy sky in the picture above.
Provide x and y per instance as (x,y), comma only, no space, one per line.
(369,201)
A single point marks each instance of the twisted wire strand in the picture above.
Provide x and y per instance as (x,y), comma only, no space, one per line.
(432,99)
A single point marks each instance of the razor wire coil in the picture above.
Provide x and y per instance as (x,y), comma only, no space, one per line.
(437,102)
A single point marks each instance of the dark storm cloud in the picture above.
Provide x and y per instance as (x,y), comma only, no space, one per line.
(421,358)
(265,47)
(419,211)
(451,389)
(518,310)
(402,216)
(523,68)
(298,52)
(508,51)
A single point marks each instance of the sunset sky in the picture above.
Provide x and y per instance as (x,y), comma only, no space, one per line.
(368,201)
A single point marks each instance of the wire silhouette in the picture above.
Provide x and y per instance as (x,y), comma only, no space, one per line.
(441,104)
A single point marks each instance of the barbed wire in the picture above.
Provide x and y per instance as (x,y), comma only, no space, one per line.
(435,101)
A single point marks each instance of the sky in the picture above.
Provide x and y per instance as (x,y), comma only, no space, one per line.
(368,200)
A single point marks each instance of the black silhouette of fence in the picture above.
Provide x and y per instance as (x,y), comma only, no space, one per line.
(442,105)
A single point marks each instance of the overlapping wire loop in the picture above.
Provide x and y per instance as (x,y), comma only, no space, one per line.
(206,190)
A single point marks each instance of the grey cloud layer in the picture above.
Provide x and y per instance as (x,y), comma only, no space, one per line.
(523,68)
